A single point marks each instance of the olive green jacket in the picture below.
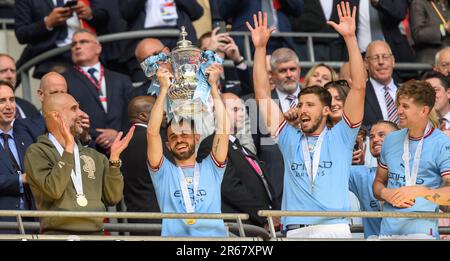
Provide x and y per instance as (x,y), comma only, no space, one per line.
(48,175)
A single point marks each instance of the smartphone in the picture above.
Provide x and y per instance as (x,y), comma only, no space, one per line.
(222,25)
(71,3)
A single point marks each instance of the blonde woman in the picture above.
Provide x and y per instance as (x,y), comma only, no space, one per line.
(320,74)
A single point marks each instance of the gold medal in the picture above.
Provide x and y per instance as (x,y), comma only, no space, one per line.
(81,200)
(191,221)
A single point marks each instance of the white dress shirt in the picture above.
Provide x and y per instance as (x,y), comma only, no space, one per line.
(97,75)
(285,104)
(327,7)
(447,120)
(379,91)
(73,24)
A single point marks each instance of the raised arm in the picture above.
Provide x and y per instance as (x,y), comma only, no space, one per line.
(273,117)
(154,141)
(220,142)
(354,104)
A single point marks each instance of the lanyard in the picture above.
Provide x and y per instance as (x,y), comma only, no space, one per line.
(97,85)
(312,170)
(75,175)
(411,177)
(184,189)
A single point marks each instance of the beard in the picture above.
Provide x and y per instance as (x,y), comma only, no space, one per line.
(314,126)
(186,154)
(288,86)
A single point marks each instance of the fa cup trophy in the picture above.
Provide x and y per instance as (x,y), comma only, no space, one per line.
(189,92)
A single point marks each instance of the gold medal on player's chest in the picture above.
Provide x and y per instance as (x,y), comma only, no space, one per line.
(81,200)
(191,221)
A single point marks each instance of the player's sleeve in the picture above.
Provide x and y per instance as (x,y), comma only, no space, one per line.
(353,180)
(443,160)
(347,131)
(286,135)
(216,168)
(158,173)
(382,163)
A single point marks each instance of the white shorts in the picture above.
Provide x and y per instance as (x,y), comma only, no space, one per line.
(321,231)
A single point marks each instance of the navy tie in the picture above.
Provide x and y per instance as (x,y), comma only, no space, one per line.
(6,137)
(92,72)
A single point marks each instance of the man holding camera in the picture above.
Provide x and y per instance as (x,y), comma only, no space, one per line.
(44,25)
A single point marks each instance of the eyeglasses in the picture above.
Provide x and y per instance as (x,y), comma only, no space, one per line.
(375,58)
(81,42)
(336,83)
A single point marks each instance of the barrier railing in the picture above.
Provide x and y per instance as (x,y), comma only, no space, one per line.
(269,214)
(23,71)
(19,214)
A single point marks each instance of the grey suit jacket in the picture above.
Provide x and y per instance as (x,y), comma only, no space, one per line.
(425,23)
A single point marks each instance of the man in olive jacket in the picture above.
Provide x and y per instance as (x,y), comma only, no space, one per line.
(59,182)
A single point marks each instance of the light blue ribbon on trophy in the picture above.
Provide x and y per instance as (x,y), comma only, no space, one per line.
(150,66)
(202,91)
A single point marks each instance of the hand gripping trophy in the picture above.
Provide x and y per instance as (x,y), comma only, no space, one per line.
(190,90)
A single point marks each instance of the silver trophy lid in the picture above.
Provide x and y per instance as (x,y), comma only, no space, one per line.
(183,44)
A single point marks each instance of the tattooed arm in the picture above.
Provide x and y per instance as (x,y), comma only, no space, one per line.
(440,196)
(220,142)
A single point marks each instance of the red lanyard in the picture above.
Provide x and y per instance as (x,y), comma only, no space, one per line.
(97,86)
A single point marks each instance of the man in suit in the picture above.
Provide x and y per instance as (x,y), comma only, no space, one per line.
(381,89)
(139,193)
(238,12)
(146,48)
(285,75)
(246,187)
(14,191)
(101,93)
(152,14)
(8,73)
(47,24)
(51,83)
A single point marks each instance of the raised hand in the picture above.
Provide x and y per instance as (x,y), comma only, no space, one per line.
(213,72)
(347,24)
(260,33)
(164,78)
(120,145)
(64,130)
(292,118)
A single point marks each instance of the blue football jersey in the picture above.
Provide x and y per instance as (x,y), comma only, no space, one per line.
(207,200)
(330,192)
(434,164)
(361,181)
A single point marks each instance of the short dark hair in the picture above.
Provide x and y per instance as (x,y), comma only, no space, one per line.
(203,37)
(322,93)
(390,123)
(445,81)
(421,91)
(341,86)
(7,83)
(182,121)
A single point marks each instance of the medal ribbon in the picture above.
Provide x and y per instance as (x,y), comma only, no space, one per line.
(190,208)
(411,177)
(75,175)
(313,168)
